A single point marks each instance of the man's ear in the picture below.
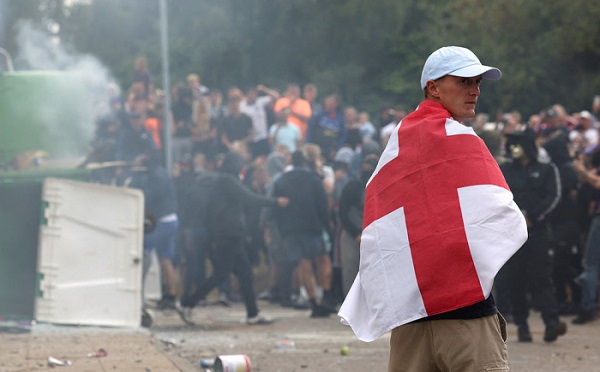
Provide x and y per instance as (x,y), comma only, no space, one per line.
(433,89)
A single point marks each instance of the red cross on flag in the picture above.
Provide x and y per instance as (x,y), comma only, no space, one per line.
(439,223)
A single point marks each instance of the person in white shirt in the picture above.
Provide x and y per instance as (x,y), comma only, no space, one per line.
(254,105)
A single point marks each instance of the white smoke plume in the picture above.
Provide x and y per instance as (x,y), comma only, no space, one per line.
(41,52)
(38,50)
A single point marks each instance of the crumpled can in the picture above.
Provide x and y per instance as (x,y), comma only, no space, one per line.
(54,362)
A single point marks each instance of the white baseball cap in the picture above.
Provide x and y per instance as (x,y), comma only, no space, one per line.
(455,61)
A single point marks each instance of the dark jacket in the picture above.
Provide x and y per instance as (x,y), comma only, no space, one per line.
(307,212)
(229,198)
(563,218)
(536,188)
(160,198)
(328,131)
(352,205)
(132,143)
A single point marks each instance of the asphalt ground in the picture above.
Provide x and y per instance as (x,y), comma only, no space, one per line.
(294,342)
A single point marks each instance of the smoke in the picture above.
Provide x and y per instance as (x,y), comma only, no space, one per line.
(39,50)
(43,57)
(3,17)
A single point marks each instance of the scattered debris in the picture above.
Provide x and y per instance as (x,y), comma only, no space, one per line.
(54,362)
(286,344)
(207,363)
(170,343)
(98,353)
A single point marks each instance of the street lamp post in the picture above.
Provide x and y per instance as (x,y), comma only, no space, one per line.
(164,43)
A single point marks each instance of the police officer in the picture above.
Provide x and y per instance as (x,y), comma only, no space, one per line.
(536,189)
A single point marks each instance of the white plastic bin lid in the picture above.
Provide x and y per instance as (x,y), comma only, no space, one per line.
(90,254)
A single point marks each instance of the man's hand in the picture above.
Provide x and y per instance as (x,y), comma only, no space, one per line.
(579,165)
(528,222)
(357,239)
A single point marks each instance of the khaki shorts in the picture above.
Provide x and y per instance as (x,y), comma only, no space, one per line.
(450,345)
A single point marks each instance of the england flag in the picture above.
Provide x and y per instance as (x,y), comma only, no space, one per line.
(439,223)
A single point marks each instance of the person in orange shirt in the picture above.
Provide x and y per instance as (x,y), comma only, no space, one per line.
(154,126)
(300,111)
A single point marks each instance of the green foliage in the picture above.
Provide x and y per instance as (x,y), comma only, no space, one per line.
(371,52)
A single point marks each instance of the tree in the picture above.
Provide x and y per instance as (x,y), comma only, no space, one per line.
(369,52)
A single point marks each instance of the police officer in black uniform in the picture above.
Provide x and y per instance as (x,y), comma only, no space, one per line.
(536,189)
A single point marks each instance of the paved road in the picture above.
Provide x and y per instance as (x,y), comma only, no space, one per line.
(172,346)
(319,341)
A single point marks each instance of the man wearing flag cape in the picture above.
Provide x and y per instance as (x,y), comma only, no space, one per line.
(439,223)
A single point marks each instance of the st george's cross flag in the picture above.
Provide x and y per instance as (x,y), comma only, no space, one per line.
(439,223)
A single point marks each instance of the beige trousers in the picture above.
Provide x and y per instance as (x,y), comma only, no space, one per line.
(450,345)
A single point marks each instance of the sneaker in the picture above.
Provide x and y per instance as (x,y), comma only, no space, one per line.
(320,312)
(166,303)
(233,298)
(259,319)
(147,318)
(523,333)
(301,304)
(269,295)
(333,309)
(224,301)
(185,313)
(553,330)
(265,295)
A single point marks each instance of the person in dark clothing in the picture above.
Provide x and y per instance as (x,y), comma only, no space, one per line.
(352,203)
(235,129)
(134,140)
(255,238)
(194,190)
(135,145)
(227,231)
(301,225)
(565,229)
(102,147)
(160,204)
(327,128)
(537,191)
(588,279)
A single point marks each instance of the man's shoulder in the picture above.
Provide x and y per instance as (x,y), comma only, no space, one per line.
(281,102)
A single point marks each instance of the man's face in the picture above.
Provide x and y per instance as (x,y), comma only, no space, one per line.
(292,92)
(330,104)
(251,96)
(458,95)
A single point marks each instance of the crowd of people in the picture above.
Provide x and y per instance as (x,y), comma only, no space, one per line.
(261,177)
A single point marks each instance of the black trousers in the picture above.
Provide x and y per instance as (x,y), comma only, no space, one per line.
(530,270)
(229,256)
